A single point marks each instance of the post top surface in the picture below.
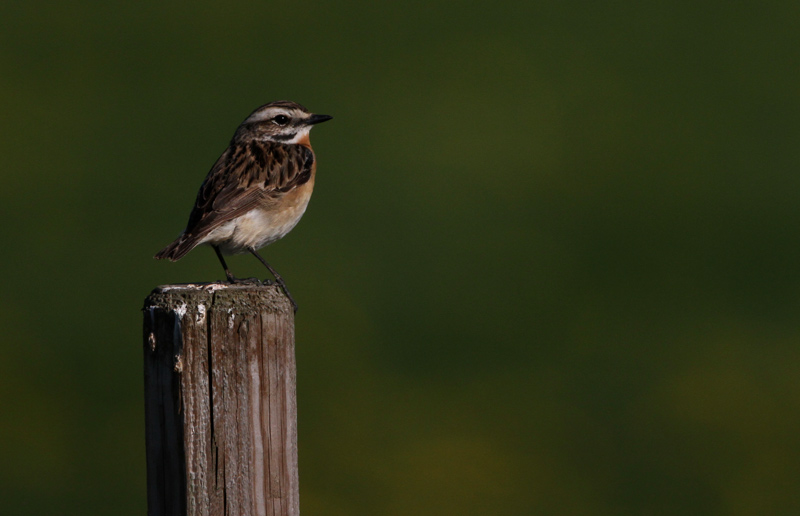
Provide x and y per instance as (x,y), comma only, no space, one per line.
(210,286)
(220,294)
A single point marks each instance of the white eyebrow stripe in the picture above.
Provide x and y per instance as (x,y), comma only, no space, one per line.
(264,115)
(271,113)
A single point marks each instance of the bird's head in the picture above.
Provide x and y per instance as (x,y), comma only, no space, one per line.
(282,121)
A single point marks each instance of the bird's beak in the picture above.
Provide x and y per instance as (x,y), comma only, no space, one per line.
(316,119)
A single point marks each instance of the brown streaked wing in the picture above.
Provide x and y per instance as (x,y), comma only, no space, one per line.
(246,175)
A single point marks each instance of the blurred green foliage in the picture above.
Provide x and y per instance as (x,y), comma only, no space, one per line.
(550,267)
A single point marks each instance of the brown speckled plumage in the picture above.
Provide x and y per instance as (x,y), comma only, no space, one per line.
(258,189)
(254,172)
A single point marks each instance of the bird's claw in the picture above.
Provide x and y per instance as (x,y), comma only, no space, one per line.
(244,281)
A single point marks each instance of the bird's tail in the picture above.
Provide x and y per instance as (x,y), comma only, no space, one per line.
(177,249)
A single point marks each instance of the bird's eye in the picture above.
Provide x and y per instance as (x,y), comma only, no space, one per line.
(281,119)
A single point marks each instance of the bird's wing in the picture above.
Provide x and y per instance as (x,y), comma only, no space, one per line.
(245,176)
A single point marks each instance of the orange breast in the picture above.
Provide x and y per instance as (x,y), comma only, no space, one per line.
(305,141)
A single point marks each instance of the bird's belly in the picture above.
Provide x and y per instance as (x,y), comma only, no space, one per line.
(261,226)
(258,228)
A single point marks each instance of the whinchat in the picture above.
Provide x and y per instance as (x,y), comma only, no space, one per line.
(258,190)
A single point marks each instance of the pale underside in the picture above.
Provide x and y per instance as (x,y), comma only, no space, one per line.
(263,225)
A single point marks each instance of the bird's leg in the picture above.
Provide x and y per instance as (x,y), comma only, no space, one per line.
(224,265)
(278,278)
(231,277)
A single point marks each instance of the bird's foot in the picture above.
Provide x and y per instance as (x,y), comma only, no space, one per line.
(243,281)
(281,284)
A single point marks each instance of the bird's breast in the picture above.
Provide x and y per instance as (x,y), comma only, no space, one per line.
(305,141)
(270,222)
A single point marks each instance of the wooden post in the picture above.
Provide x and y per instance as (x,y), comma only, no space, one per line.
(220,401)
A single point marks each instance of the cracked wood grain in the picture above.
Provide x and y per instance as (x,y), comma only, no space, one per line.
(220,401)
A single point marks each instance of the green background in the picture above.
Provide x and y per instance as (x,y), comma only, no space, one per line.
(550,266)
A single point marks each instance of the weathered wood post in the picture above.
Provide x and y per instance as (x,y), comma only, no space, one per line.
(220,402)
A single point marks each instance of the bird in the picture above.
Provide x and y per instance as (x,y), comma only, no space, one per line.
(257,190)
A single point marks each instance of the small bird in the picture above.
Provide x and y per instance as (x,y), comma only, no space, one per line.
(257,191)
